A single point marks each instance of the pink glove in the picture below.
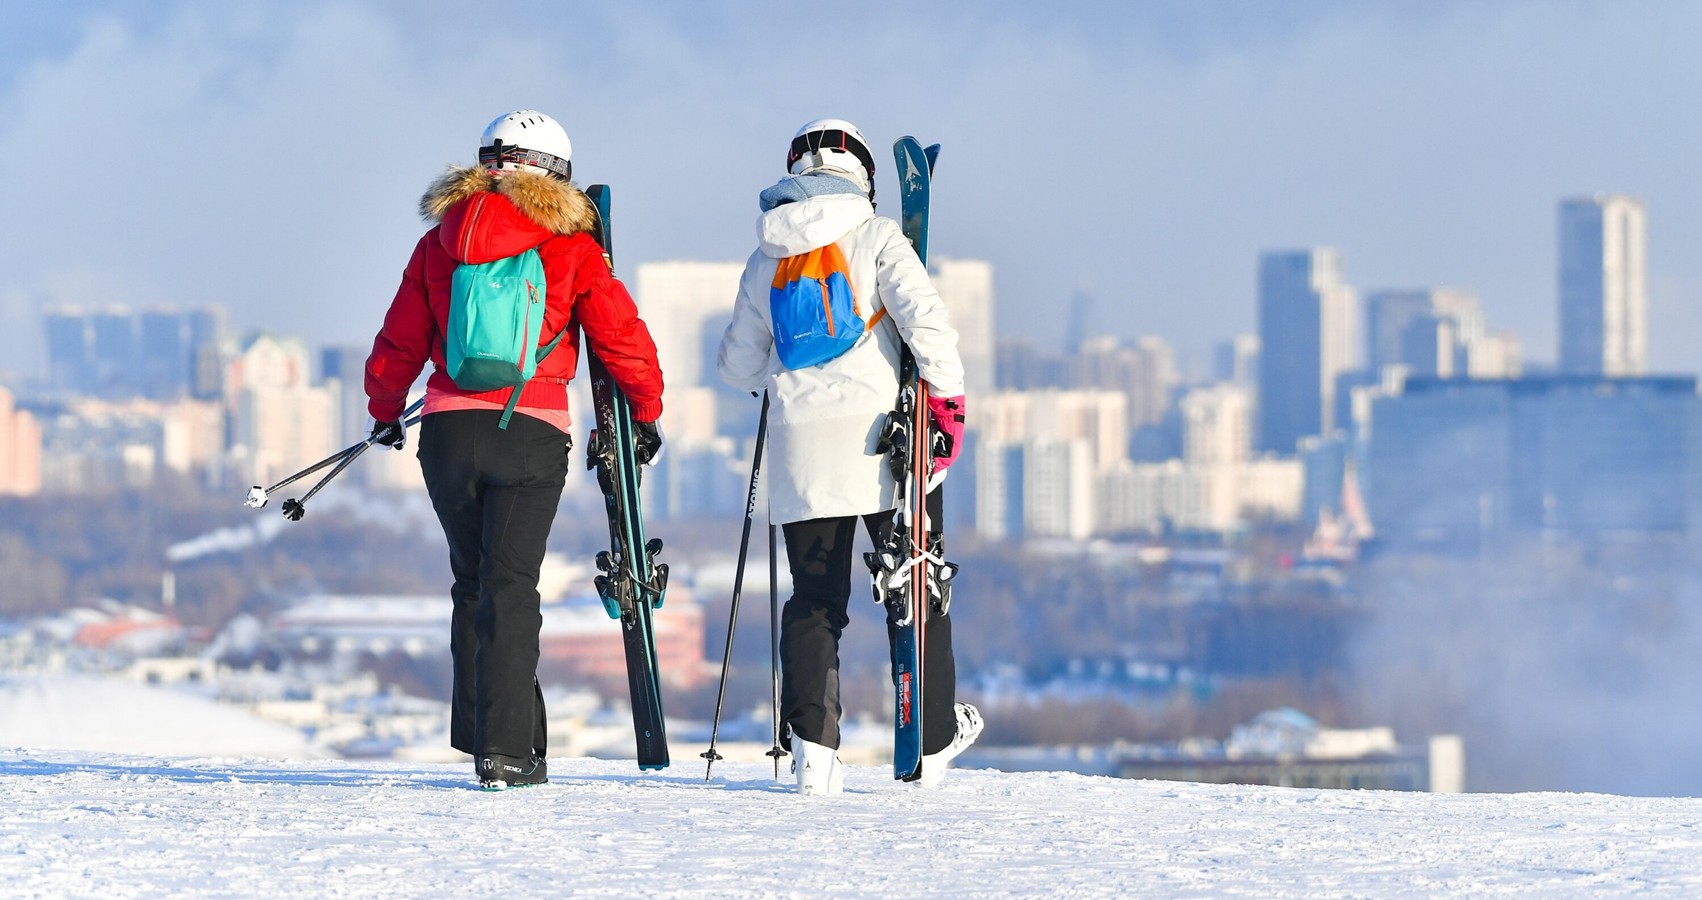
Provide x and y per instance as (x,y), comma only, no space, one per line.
(947,415)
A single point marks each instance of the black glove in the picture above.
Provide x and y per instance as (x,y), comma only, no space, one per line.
(647,441)
(390,434)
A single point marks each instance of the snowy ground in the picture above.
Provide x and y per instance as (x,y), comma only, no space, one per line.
(89,824)
(107,714)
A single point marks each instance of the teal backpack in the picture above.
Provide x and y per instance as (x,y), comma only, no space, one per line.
(496,315)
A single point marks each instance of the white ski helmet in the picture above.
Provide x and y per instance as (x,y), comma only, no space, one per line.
(527,140)
(832,144)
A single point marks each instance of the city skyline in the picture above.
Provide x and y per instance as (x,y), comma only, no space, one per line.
(1142,152)
(1368,328)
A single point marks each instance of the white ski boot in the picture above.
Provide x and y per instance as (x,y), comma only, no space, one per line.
(817,768)
(969,727)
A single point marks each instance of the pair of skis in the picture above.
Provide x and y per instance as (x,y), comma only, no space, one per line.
(632,583)
(910,577)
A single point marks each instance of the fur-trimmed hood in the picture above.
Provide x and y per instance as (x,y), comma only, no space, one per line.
(482,217)
(556,205)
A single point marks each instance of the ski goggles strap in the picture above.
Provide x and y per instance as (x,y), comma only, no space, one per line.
(499,154)
(829,139)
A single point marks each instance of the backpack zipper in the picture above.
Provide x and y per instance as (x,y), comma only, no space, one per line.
(472,222)
(526,326)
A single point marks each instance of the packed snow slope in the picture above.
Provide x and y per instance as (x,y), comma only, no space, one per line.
(86,824)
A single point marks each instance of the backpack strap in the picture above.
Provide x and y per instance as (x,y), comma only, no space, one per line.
(548,348)
(514,395)
(508,409)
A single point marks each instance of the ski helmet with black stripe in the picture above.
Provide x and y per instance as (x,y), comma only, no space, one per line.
(835,145)
(526,140)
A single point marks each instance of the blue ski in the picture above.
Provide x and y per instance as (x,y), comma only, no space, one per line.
(901,567)
(632,583)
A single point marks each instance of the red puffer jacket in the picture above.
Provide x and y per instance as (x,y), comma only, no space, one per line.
(483,218)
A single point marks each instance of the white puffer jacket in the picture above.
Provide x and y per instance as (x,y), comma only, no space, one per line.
(824,421)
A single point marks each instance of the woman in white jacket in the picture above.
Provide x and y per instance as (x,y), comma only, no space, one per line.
(823,470)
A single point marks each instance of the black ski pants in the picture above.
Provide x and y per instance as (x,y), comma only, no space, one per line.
(495,492)
(819,552)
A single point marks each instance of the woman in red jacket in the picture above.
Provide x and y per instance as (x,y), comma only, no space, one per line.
(495,489)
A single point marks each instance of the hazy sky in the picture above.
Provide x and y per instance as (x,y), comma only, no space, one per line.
(269,155)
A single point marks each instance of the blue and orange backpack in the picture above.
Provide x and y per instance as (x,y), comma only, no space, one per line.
(814,308)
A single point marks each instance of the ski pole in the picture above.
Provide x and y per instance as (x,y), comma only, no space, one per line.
(258,496)
(774,640)
(295,509)
(738,586)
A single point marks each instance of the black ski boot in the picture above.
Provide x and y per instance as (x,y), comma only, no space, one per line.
(497,772)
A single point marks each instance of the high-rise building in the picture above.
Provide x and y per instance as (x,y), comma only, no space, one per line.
(1212,497)
(20,449)
(1306,325)
(94,445)
(116,352)
(169,341)
(1081,324)
(1057,489)
(164,352)
(346,365)
(1604,302)
(687,306)
(1454,461)
(1217,425)
(1323,466)
(682,301)
(1494,356)
(1035,456)
(1427,331)
(1388,315)
(1095,417)
(1145,374)
(207,348)
(999,490)
(966,286)
(1237,360)
(279,422)
(1022,366)
(700,478)
(68,349)
(1035,488)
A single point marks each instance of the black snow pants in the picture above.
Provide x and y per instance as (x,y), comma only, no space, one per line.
(819,552)
(495,492)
